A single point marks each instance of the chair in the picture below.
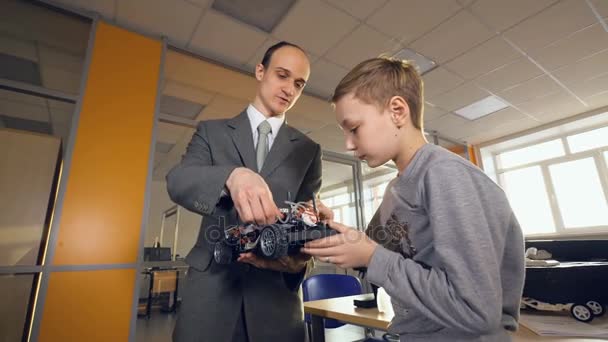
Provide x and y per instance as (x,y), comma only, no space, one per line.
(162,281)
(324,286)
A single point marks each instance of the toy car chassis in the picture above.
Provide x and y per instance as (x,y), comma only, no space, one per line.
(297,226)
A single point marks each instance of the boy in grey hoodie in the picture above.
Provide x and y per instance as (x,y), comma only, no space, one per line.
(444,243)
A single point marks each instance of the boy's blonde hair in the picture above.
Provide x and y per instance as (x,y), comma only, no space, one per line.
(377,80)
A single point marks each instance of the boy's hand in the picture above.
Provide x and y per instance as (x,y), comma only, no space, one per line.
(325,214)
(288,264)
(252,197)
(350,248)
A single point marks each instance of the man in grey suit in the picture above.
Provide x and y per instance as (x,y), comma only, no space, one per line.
(245,166)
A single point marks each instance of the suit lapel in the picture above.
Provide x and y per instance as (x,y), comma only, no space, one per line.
(243,139)
(281,148)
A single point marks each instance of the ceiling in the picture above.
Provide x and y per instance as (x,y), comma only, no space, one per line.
(547,59)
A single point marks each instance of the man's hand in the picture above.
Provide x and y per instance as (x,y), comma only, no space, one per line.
(288,264)
(252,197)
(351,248)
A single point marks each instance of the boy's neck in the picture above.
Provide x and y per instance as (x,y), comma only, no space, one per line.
(411,145)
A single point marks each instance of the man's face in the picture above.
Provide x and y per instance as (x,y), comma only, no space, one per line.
(368,131)
(281,84)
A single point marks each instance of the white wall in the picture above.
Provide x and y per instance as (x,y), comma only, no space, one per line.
(189,222)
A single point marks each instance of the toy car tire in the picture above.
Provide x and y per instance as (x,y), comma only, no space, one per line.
(596,308)
(581,312)
(273,242)
(222,253)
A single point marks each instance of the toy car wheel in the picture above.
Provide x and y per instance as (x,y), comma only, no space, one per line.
(596,308)
(581,313)
(273,242)
(222,253)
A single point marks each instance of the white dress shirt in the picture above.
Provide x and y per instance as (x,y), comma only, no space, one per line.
(256,118)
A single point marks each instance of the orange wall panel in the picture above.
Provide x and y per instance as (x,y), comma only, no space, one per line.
(88,306)
(103,205)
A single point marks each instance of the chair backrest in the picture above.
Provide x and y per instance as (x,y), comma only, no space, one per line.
(324,286)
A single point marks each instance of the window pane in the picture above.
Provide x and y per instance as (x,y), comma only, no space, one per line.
(538,152)
(525,189)
(374,185)
(582,202)
(16,290)
(588,140)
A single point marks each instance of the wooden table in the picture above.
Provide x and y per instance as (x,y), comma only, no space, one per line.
(342,309)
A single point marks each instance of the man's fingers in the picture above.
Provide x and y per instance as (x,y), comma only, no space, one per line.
(321,253)
(257,211)
(271,211)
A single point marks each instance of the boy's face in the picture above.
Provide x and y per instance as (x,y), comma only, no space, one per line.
(369,131)
(281,84)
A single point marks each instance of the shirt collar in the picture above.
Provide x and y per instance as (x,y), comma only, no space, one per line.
(256,117)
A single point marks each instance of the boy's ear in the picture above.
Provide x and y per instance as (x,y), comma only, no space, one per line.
(399,110)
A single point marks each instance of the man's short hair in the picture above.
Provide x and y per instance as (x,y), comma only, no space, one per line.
(268,55)
(376,80)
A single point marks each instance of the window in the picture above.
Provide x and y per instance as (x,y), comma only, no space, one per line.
(556,182)
(579,193)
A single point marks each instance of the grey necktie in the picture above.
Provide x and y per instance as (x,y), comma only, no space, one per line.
(262,147)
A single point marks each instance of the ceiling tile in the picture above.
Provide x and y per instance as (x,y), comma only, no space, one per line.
(502,14)
(330,137)
(583,69)
(58,79)
(440,80)
(452,38)
(431,112)
(262,14)
(106,8)
(553,107)
(317,36)
(598,100)
(26,111)
(572,48)
(592,86)
(18,48)
(158,17)
(445,124)
(408,20)
(216,35)
(537,87)
(360,9)
(509,75)
(12,96)
(60,60)
(601,6)
(314,108)
(324,77)
(551,25)
(361,44)
(459,97)
(498,119)
(259,54)
(483,136)
(483,58)
(187,92)
(303,123)
(169,133)
(223,107)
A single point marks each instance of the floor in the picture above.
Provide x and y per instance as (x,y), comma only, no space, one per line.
(160,326)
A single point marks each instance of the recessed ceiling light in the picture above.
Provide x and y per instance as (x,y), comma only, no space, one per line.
(482,108)
(423,63)
(263,14)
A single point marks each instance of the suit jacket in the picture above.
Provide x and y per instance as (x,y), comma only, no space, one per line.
(213,293)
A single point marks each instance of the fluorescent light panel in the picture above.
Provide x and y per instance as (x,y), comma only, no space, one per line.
(481,108)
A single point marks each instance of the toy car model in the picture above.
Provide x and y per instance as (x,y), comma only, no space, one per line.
(298,225)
